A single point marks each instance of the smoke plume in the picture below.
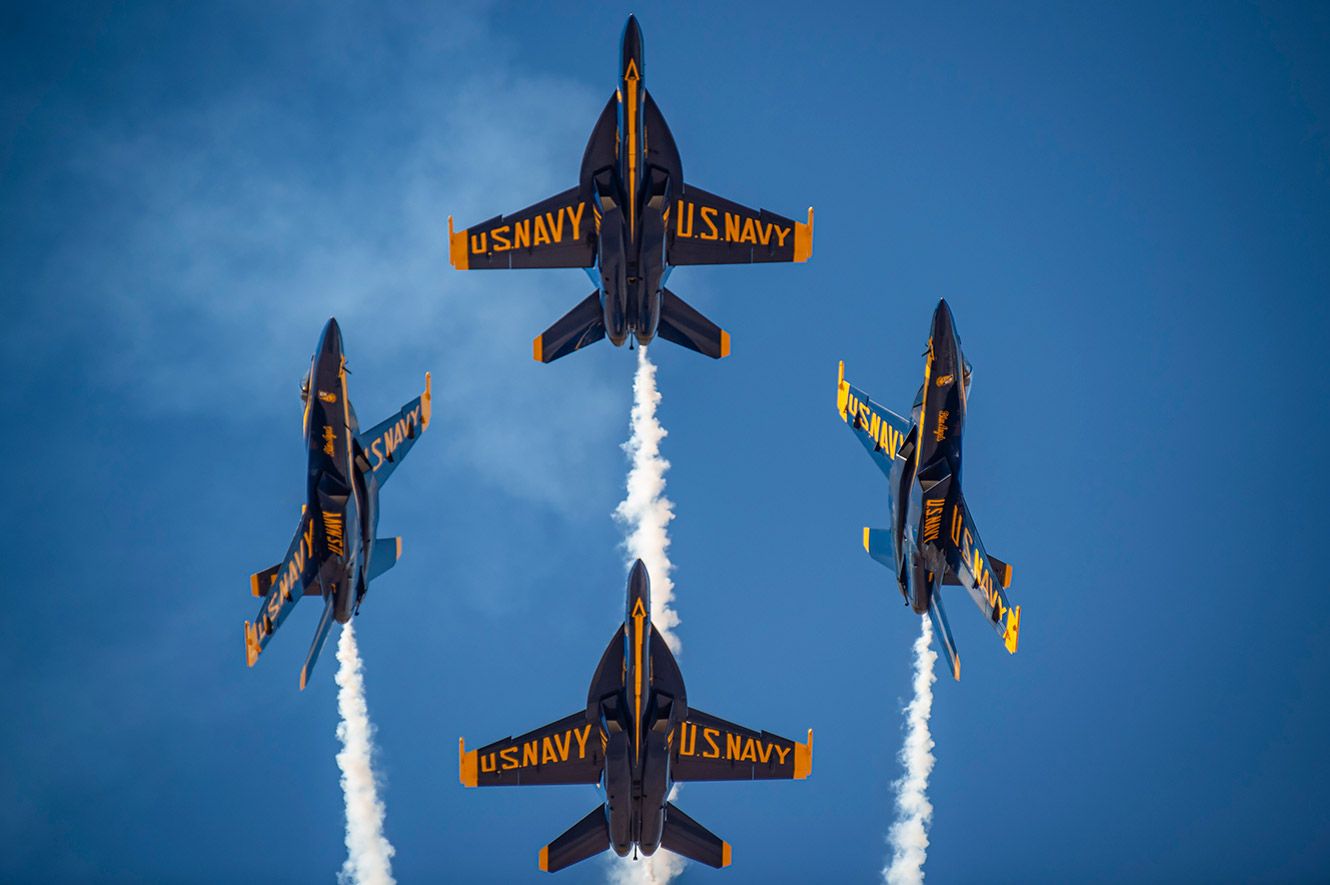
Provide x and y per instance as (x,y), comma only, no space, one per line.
(909,834)
(368,852)
(645,514)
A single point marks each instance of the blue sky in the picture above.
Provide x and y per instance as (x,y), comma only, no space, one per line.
(1128,209)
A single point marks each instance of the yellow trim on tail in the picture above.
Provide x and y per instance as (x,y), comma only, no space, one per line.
(252,648)
(842,393)
(467,764)
(803,238)
(426,403)
(458,255)
(803,758)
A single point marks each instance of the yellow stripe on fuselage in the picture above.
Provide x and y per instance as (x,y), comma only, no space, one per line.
(923,409)
(631,77)
(639,619)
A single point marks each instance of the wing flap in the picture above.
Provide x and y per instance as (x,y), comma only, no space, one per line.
(707,748)
(881,430)
(386,444)
(983,576)
(556,232)
(285,584)
(709,229)
(564,752)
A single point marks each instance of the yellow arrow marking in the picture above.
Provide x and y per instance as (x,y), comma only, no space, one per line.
(631,77)
(639,621)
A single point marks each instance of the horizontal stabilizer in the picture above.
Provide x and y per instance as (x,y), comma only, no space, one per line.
(583,325)
(325,624)
(385,554)
(584,839)
(683,325)
(878,544)
(687,837)
(942,633)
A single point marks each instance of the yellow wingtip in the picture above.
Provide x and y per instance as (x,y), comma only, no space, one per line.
(866,547)
(427,403)
(803,238)
(466,764)
(254,585)
(724,344)
(725,852)
(803,758)
(545,859)
(538,348)
(457,251)
(842,392)
(399,546)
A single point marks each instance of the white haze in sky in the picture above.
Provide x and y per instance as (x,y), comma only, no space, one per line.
(909,834)
(645,514)
(368,852)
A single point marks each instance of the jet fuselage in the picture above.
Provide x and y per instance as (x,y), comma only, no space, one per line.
(341,498)
(629,199)
(637,722)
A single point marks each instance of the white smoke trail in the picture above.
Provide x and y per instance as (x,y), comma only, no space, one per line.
(646,513)
(368,852)
(909,834)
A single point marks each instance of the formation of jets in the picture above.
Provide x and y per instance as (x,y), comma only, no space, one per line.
(628,223)
(630,220)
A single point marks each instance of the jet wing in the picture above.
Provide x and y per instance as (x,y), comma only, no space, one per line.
(386,444)
(557,232)
(986,577)
(881,430)
(565,752)
(281,587)
(707,748)
(706,229)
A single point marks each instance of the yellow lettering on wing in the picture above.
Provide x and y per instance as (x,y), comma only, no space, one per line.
(582,734)
(509,757)
(708,218)
(732,227)
(478,243)
(781,234)
(542,235)
(555,221)
(576,218)
(687,739)
(522,234)
(781,752)
(488,763)
(709,735)
(502,243)
(733,745)
(547,751)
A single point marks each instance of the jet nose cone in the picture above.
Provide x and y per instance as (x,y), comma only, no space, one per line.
(330,342)
(631,48)
(943,321)
(639,582)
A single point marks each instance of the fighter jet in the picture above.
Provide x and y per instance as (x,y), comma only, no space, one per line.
(631,220)
(335,553)
(636,737)
(933,540)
